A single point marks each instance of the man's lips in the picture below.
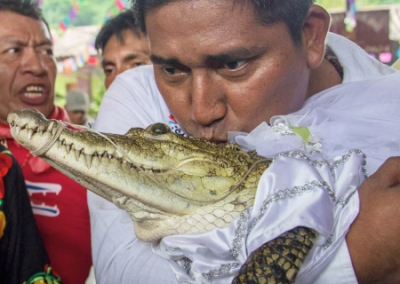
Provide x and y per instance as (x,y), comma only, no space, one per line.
(33,94)
(33,91)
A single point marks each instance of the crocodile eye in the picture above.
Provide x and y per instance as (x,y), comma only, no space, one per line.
(159,128)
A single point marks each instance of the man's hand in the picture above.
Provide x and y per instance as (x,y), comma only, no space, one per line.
(374,237)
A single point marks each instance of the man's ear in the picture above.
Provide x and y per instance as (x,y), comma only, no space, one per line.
(314,31)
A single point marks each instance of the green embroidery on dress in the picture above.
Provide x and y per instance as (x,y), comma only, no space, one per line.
(46,277)
(303,132)
(7,152)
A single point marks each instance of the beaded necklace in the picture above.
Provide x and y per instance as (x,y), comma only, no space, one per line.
(332,58)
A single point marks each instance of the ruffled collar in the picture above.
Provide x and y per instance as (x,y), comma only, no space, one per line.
(281,135)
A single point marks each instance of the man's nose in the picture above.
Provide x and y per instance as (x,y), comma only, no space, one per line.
(33,63)
(208,105)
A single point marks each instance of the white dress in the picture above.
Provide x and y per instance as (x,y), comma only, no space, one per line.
(325,171)
(360,116)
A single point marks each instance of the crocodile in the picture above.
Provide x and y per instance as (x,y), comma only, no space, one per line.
(168,184)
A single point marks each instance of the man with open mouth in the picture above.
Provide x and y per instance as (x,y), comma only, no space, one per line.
(27,77)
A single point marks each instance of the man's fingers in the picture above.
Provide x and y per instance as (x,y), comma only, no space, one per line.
(373,236)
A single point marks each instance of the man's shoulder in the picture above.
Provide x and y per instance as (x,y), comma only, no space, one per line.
(357,64)
(142,73)
(137,81)
(134,84)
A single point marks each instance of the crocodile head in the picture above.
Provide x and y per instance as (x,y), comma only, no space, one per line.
(167,183)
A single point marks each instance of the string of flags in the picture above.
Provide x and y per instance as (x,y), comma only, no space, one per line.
(72,64)
(73,12)
(115,10)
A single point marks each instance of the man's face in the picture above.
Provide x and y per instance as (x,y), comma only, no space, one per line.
(118,56)
(27,65)
(77,116)
(220,70)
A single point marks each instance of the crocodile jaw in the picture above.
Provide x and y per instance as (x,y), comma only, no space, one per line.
(161,197)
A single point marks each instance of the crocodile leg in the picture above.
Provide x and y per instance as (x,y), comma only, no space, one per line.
(279,260)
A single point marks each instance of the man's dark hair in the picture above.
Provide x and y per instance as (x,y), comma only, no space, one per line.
(291,12)
(26,8)
(115,26)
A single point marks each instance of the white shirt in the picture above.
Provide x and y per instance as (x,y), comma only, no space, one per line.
(133,100)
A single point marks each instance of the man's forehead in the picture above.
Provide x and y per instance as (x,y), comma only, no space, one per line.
(195,3)
(221,36)
(25,28)
(202,7)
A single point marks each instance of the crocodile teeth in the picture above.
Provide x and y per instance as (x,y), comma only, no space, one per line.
(50,127)
(30,133)
(77,154)
(88,159)
(95,160)
(68,148)
(17,129)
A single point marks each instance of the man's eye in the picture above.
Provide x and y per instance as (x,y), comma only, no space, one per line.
(134,64)
(170,70)
(173,73)
(12,50)
(48,51)
(108,71)
(233,65)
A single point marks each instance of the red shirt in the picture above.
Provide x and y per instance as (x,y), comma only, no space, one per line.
(60,208)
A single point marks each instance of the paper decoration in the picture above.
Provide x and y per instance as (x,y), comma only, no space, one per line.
(67,22)
(76,7)
(80,61)
(72,64)
(62,26)
(350,20)
(93,61)
(385,57)
(119,4)
(72,13)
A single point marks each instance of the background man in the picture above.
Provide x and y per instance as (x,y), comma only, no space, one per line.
(228,65)
(122,46)
(27,77)
(77,106)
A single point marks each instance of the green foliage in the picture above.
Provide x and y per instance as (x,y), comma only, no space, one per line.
(359,3)
(91,12)
(331,3)
(98,90)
